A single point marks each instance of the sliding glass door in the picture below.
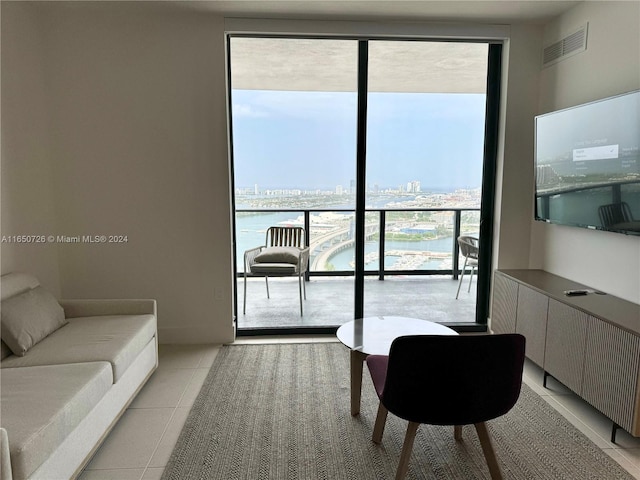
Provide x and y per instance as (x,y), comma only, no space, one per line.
(426,106)
(293,112)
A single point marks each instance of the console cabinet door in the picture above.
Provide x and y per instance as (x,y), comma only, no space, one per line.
(505,301)
(531,321)
(566,343)
(612,363)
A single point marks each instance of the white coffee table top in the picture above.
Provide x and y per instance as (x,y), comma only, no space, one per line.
(373,335)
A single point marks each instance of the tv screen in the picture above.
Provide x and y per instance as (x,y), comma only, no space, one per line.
(587,162)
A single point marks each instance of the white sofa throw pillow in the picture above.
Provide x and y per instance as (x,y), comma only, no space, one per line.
(28,318)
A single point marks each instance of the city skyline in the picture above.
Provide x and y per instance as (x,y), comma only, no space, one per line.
(307,140)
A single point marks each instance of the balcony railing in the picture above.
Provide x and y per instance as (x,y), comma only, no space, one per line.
(339,237)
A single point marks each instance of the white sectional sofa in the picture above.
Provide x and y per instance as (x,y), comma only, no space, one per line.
(61,394)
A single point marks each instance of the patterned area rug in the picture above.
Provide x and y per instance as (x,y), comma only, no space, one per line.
(282,412)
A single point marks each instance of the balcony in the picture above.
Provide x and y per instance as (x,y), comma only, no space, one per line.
(330,301)
(399,285)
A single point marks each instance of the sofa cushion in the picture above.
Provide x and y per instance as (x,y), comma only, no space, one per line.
(117,339)
(279,255)
(42,405)
(29,317)
(14,283)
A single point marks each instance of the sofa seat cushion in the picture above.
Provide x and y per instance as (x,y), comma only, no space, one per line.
(117,339)
(42,405)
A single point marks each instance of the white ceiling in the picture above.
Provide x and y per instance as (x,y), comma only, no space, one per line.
(480,11)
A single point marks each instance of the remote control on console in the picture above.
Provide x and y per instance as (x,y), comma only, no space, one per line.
(575,293)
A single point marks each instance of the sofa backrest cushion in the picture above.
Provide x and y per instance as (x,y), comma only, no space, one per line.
(29,317)
(12,284)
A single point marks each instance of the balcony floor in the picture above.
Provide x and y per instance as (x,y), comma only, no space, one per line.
(330,300)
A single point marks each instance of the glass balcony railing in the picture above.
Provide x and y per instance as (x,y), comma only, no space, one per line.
(420,241)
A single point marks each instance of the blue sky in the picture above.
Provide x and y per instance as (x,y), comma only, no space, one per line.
(285,139)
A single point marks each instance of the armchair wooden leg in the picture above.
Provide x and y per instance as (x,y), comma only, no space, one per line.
(266,281)
(457,432)
(489,452)
(381,420)
(407,447)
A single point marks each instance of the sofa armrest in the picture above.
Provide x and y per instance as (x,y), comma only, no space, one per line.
(92,308)
(5,459)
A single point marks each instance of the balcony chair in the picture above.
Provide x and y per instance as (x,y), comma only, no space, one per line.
(283,255)
(448,380)
(615,214)
(469,248)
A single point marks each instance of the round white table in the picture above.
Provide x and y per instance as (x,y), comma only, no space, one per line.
(373,336)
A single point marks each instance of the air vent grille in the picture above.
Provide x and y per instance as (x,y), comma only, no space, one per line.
(574,43)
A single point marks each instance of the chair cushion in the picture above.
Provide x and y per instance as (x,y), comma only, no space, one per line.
(42,405)
(279,255)
(274,268)
(29,317)
(117,339)
(377,365)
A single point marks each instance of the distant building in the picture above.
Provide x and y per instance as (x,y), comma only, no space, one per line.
(413,186)
(339,190)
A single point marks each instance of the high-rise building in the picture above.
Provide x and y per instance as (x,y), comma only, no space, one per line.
(413,186)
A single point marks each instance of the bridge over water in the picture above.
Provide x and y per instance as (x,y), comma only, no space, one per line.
(331,243)
(326,245)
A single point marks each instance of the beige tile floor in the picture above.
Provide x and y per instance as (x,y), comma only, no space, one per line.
(139,446)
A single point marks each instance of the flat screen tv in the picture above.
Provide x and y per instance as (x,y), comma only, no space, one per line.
(587,162)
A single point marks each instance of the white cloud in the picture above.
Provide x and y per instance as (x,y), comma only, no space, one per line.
(242,110)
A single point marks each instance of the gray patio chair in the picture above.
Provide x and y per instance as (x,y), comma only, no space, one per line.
(284,254)
(469,248)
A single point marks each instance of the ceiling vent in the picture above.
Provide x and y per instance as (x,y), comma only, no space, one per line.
(574,43)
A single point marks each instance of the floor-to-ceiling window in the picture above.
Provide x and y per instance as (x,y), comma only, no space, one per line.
(426,105)
(300,157)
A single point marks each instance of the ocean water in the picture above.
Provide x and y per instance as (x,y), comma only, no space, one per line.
(251,230)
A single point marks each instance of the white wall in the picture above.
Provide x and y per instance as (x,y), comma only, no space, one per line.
(27,201)
(139,148)
(610,65)
(514,175)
